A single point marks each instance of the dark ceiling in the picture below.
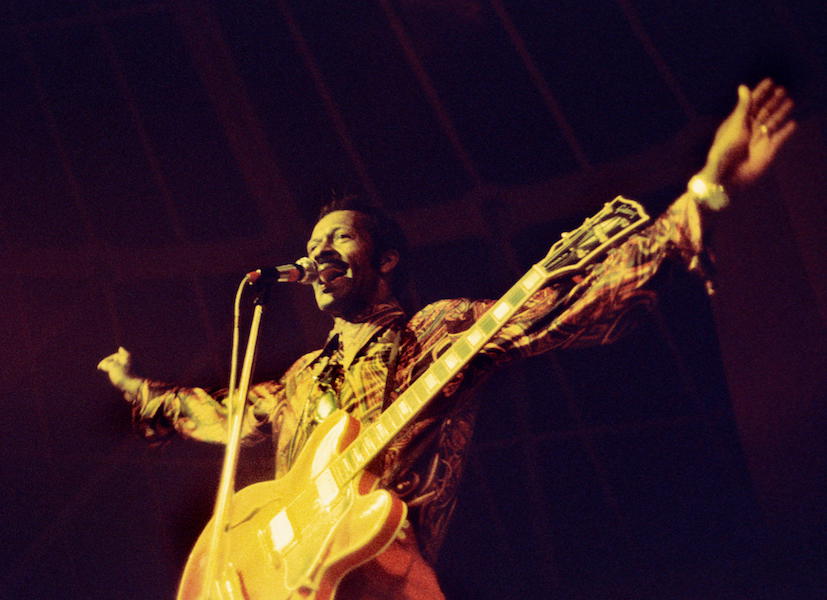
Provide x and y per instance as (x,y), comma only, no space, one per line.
(156,151)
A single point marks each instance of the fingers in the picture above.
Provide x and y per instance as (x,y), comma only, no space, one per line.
(780,136)
(760,94)
(770,107)
(779,116)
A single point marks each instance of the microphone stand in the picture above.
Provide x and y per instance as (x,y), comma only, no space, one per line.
(236,405)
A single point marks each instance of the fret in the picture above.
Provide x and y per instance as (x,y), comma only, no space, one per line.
(379,434)
(451,359)
(515,296)
(392,418)
(348,460)
(398,420)
(462,349)
(418,397)
(500,310)
(474,336)
(341,473)
(487,324)
(335,474)
(439,370)
(404,406)
(431,381)
(531,280)
(357,454)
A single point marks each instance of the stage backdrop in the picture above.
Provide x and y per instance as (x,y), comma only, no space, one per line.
(154,152)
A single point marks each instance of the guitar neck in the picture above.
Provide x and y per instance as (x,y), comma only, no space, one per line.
(411,402)
(571,254)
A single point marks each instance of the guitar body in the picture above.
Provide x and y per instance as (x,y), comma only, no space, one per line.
(298,536)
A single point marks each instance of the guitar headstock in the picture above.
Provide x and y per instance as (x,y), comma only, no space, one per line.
(575,250)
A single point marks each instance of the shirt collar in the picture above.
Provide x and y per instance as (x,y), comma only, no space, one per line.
(354,335)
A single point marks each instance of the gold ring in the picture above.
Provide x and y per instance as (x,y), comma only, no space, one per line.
(764,129)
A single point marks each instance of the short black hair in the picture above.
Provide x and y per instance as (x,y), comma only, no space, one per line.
(385,233)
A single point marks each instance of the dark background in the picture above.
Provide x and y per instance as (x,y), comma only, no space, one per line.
(153,152)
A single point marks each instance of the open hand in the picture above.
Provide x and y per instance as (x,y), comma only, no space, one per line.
(747,141)
(119,368)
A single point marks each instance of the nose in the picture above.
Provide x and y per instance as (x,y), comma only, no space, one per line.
(322,251)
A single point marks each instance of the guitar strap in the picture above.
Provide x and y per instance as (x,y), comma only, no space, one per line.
(393,363)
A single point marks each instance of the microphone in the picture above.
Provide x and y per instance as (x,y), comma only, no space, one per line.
(304,270)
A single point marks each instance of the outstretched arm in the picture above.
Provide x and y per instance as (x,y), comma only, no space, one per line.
(602,306)
(158,409)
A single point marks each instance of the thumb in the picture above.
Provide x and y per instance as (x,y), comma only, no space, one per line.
(744,98)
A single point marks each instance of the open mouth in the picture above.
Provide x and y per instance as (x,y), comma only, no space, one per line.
(329,273)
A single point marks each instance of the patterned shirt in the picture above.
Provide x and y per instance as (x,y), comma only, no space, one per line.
(424,463)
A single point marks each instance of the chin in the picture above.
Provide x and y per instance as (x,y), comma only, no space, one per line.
(336,301)
(331,305)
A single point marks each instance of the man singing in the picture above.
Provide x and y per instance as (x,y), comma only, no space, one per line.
(374,350)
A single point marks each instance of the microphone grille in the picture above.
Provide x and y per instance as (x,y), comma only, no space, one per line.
(310,268)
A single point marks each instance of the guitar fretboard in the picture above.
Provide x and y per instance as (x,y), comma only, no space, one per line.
(374,438)
(572,253)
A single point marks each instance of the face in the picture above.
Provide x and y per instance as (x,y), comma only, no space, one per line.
(349,280)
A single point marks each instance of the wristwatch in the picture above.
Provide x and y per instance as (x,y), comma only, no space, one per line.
(711,195)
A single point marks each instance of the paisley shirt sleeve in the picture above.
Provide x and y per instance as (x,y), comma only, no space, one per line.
(160,409)
(600,306)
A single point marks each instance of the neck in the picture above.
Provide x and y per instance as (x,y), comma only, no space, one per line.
(371,312)
(362,309)
(355,333)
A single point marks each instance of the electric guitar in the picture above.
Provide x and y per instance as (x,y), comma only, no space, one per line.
(298,536)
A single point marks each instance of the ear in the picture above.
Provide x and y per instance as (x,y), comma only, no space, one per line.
(388,261)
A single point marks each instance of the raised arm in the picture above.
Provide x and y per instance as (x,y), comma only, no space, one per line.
(601,306)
